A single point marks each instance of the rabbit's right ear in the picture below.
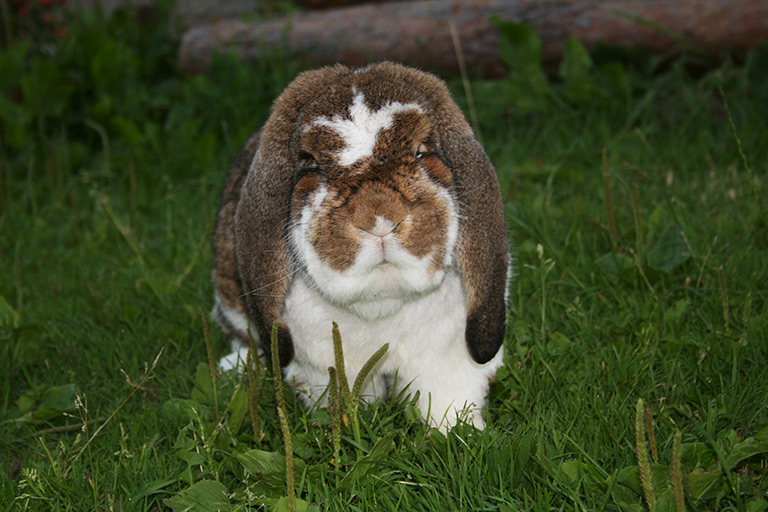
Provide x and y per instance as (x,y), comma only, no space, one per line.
(482,254)
(263,213)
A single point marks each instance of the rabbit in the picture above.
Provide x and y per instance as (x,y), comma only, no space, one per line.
(365,199)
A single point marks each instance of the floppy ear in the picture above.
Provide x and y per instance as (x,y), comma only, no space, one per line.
(263,213)
(482,255)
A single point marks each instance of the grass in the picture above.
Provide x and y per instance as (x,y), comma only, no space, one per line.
(636,206)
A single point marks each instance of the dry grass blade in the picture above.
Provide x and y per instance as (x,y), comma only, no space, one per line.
(283,417)
(334,409)
(745,162)
(608,199)
(651,435)
(367,367)
(643,463)
(253,394)
(211,358)
(145,378)
(341,372)
(465,79)
(676,472)
(724,301)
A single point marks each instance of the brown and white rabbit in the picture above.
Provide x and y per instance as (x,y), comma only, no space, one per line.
(366,200)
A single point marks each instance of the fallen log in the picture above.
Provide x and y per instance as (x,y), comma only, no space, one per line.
(419,33)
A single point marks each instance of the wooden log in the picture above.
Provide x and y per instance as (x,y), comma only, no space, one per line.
(419,32)
(332,4)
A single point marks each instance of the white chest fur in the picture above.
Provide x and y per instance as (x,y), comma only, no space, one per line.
(427,349)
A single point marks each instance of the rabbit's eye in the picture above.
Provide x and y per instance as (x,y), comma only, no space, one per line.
(307,161)
(424,150)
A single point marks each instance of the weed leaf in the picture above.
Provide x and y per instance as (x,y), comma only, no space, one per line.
(623,496)
(615,264)
(203,390)
(269,468)
(380,452)
(12,63)
(576,71)
(14,120)
(520,49)
(204,496)
(153,488)
(179,410)
(670,249)
(758,505)
(747,448)
(558,344)
(698,483)
(615,80)
(570,471)
(238,409)
(665,502)
(299,505)
(524,450)
(44,403)
(186,449)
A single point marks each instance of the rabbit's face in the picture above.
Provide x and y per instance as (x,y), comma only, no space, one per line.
(373,216)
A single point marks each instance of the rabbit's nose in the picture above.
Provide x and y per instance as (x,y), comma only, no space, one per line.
(382,227)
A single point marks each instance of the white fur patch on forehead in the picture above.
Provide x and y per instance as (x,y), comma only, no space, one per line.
(363,126)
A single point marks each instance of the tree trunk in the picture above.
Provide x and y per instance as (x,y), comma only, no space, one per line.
(419,33)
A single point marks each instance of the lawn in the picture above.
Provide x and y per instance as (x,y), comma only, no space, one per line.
(636,353)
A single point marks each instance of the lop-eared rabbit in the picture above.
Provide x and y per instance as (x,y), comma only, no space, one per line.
(365,199)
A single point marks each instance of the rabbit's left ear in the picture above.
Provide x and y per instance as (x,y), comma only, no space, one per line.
(482,254)
(262,216)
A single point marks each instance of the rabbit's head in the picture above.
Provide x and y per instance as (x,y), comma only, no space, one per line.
(374,217)
(371,184)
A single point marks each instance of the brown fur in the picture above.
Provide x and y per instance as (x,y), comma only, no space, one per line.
(226,274)
(421,227)
(251,254)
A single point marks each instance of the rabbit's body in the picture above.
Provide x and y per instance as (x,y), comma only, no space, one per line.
(366,201)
